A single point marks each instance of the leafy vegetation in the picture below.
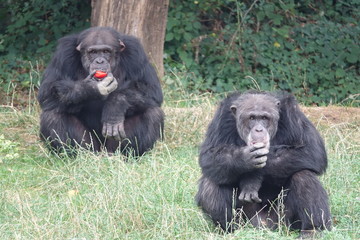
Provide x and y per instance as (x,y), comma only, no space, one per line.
(308,48)
(29,33)
(33,26)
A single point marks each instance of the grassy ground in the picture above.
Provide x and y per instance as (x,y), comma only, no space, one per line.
(103,197)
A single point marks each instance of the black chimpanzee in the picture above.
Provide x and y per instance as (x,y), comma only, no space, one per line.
(118,112)
(258,145)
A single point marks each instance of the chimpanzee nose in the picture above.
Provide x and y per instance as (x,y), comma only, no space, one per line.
(99,60)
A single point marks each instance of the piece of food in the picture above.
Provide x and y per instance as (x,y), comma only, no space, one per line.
(100,74)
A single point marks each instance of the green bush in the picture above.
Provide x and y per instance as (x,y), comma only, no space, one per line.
(30,31)
(311,49)
(33,26)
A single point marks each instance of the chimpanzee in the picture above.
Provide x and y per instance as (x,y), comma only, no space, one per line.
(120,109)
(259,146)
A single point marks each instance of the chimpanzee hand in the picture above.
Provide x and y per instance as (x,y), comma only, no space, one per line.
(249,195)
(114,130)
(253,156)
(105,86)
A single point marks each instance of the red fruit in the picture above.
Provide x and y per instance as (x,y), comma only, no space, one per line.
(100,74)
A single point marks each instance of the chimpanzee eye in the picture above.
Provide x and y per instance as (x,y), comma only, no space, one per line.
(264,118)
(106,51)
(92,51)
(252,118)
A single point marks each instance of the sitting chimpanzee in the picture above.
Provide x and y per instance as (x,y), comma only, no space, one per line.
(259,145)
(100,92)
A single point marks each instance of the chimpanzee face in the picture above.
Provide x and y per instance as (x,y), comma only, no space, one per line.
(256,118)
(98,57)
(99,50)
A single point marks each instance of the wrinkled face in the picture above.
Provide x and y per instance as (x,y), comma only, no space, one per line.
(98,57)
(257,118)
(98,51)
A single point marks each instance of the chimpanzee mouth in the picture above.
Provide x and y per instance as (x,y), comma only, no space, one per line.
(260,156)
(99,69)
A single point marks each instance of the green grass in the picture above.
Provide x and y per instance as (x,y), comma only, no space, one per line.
(97,196)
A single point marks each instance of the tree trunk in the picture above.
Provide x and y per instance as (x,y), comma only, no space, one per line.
(145,19)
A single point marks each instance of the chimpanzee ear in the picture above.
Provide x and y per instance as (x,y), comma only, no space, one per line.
(233,109)
(78,47)
(122,45)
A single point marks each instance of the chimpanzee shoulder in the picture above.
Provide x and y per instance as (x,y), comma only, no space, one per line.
(222,129)
(66,57)
(294,127)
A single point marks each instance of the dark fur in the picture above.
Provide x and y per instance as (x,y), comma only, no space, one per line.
(73,112)
(297,155)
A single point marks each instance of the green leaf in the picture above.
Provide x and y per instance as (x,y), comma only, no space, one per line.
(340,73)
(283,31)
(169,37)
(260,16)
(352,58)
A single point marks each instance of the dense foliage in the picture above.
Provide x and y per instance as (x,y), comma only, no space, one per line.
(308,47)
(29,32)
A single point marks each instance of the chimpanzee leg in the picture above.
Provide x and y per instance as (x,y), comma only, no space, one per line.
(218,202)
(142,132)
(306,203)
(64,132)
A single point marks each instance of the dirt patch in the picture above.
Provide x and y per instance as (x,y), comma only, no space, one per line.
(329,115)
(332,114)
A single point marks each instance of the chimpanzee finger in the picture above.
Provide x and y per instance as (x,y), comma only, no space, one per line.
(261,152)
(247,197)
(241,196)
(261,165)
(260,162)
(91,76)
(117,132)
(116,136)
(261,159)
(92,73)
(255,198)
(121,130)
(107,81)
(112,85)
(259,145)
(104,130)
(109,130)
(256,146)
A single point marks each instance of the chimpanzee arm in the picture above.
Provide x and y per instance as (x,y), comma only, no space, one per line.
(226,163)
(135,94)
(68,95)
(287,160)
(297,144)
(120,104)
(250,185)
